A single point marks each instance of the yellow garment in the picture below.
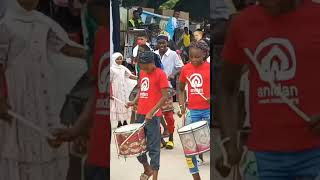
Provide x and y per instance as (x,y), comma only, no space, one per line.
(186,40)
(132,24)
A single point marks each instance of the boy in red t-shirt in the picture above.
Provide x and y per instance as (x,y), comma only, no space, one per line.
(197,75)
(96,112)
(152,94)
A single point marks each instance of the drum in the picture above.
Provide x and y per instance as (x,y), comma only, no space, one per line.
(136,145)
(134,93)
(195,138)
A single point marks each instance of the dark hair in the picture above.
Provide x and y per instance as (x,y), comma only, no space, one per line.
(201,45)
(146,57)
(135,11)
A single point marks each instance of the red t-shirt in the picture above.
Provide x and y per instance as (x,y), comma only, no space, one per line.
(288,46)
(200,78)
(99,147)
(150,90)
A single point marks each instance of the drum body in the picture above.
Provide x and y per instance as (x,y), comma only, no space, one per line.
(136,145)
(134,93)
(195,138)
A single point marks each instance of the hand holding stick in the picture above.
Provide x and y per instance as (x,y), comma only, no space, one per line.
(121,102)
(135,132)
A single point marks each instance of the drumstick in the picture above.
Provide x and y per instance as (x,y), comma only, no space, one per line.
(135,131)
(224,153)
(198,92)
(119,100)
(272,84)
(30,125)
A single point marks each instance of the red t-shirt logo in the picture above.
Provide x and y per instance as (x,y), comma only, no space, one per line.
(103,73)
(145,85)
(196,81)
(276,59)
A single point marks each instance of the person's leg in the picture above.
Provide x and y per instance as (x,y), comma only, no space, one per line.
(96,173)
(143,159)
(119,124)
(269,167)
(170,124)
(153,144)
(308,166)
(193,167)
(195,116)
(124,123)
(164,125)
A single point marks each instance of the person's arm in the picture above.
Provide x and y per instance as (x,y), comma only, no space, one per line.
(82,125)
(58,45)
(133,77)
(85,119)
(74,51)
(153,111)
(182,100)
(228,99)
(177,66)
(129,75)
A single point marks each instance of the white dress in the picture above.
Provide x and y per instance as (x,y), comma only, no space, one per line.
(24,154)
(121,88)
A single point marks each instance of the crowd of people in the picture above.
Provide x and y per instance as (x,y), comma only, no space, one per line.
(167,75)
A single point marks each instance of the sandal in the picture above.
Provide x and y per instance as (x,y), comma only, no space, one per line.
(144,176)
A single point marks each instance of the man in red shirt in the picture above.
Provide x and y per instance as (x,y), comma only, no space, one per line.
(152,94)
(267,38)
(98,162)
(197,75)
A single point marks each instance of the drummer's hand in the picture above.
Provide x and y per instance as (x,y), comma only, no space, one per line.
(149,116)
(80,145)
(208,100)
(54,143)
(4,107)
(65,134)
(129,104)
(314,124)
(182,111)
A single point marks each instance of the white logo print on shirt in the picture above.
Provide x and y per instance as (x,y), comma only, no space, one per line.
(196,81)
(145,85)
(277,64)
(102,104)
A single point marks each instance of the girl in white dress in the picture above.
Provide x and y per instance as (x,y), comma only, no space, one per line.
(27,41)
(122,81)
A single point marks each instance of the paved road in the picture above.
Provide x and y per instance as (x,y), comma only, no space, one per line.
(172,164)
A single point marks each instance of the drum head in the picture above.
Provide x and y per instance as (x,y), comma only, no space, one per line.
(192,126)
(128,128)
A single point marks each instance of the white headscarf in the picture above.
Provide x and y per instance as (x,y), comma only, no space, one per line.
(114,57)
